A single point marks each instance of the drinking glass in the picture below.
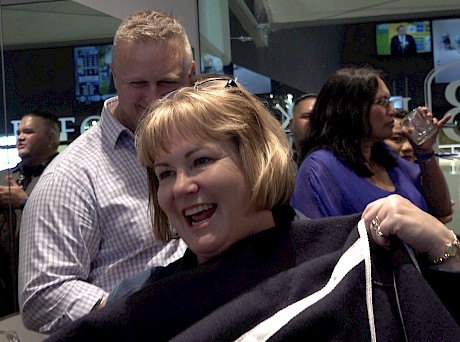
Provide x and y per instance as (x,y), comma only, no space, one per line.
(419,126)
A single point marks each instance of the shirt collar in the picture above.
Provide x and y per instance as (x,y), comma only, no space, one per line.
(112,129)
(26,173)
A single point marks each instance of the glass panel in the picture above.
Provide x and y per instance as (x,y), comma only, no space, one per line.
(43,41)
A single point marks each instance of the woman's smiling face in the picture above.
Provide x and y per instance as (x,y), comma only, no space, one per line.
(203,191)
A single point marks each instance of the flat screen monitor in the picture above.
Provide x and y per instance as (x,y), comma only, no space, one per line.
(446,49)
(93,77)
(419,30)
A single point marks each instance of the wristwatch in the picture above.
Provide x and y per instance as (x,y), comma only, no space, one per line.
(451,250)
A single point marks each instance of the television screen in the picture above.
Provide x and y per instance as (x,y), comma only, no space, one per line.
(446,49)
(417,39)
(93,77)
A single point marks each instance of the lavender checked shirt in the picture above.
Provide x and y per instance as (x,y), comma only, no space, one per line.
(86,227)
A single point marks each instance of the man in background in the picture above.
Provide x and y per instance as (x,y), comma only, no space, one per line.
(298,125)
(37,142)
(86,226)
(403,45)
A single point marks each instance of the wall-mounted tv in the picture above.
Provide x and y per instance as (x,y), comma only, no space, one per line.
(93,77)
(446,49)
(389,43)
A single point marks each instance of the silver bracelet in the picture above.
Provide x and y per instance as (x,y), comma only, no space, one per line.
(451,250)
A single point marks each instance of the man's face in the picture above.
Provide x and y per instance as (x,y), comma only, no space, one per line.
(402,31)
(301,119)
(33,141)
(143,73)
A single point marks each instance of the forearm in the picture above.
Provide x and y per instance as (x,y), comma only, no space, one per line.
(54,286)
(59,236)
(434,187)
(53,306)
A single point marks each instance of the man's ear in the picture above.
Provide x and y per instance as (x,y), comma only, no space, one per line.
(52,138)
(114,75)
(191,72)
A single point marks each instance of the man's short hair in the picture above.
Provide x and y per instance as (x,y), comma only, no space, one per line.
(51,121)
(153,28)
(304,97)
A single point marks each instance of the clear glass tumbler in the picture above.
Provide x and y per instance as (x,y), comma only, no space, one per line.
(419,126)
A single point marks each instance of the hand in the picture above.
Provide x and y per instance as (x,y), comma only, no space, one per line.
(446,219)
(427,146)
(423,232)
(12,193)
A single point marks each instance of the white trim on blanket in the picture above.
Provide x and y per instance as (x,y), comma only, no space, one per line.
(357,253)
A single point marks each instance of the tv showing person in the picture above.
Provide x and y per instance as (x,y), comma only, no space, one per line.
(402,44)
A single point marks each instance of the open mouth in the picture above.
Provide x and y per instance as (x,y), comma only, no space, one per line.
(199,214)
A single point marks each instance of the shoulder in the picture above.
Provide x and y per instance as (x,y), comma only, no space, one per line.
(322,235)
(323,170)
(321,161)
(321,156)
(6,171)
(82,154)
(407,167)
(326,225)
(75,169)
(3,175)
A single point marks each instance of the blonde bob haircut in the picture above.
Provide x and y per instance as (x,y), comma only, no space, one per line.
(219,113)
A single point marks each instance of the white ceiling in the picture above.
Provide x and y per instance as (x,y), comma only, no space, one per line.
(271,15)
(302,11)
(45,23)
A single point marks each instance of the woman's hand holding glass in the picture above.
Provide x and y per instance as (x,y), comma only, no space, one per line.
(427,146)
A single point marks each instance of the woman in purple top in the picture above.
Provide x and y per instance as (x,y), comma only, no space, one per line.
(346,164)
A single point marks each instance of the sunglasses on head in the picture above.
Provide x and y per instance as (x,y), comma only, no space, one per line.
(225,83)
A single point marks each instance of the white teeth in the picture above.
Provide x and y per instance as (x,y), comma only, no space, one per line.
(198,209)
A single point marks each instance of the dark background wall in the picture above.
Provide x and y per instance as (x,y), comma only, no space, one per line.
(43,79)
(301,58)
(305,57)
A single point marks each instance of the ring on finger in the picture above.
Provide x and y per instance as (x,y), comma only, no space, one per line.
(379,232)
(375,224)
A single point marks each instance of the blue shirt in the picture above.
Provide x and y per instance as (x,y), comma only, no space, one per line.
(325,186)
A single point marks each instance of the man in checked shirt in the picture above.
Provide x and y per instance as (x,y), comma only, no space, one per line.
(86,226)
